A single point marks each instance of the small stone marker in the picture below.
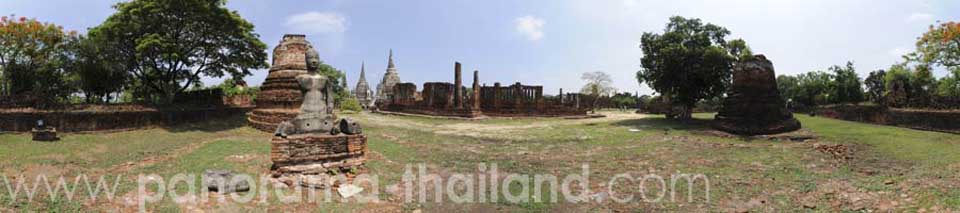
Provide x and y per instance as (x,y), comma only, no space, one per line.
(223,181)
(44,133)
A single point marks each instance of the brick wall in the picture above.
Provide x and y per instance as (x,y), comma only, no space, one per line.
(933,120)
(82,121)
(295,154)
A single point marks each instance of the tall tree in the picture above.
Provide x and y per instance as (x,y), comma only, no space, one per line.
(598,85)
(32,55)
(950,86)
(689,61)
(168,45)
(847,87)
(899,85)
(876,86)
(93,71)
(788,86)
(940,45)
(814,88)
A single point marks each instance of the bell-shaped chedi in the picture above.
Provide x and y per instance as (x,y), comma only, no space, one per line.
(280,96)
(753,105)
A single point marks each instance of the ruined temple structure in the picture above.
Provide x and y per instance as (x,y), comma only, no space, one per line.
(315,143)
(754,105)
(280,97)
(454,100)
(390,79)
(362,91)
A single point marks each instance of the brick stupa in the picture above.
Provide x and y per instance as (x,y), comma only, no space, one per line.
(754,105)
(279,99)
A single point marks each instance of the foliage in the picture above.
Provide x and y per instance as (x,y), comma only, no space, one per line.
(814,88)
(94,73)
(32,55)
(230,88)
(789,87)
(950,86)
(876,83)
(598,85)
(350,104)
(690,61)
(898,85)
(624,100)
(846,85)
(940,45)
(167,45)
(924,86)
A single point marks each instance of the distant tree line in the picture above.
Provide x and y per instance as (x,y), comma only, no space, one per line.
(690,66)
(906,84)
(148,51)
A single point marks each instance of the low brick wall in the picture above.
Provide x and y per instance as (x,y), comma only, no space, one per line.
(103,120)
(933,120)
(315,154)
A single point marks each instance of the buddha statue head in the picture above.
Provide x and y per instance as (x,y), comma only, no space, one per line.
(313,60)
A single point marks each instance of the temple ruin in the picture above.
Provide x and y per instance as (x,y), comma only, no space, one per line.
(390,79)
(754,105)
(279,98)
(315,143)
(362,91)
(455,100)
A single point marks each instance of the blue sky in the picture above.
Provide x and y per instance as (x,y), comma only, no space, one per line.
(551,42)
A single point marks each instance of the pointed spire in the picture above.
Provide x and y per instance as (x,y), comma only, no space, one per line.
(363,68)
(390,65)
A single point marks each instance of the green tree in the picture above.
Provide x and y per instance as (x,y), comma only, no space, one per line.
(32,55)
(690,61)
(168,45)
(940,45)
(923,86)
(876,86)
(624,100)
(598,85)
(814,88)
(898,85)
(846,87)
(789,87)
(950,86)
(94,72)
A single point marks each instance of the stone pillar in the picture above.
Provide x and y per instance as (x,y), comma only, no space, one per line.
(457,87)
(476,89)
(561,96)
(518,95)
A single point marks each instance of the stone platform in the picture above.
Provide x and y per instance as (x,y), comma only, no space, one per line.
(46,135)
(312,154)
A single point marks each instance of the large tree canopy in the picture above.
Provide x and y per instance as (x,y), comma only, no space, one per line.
(598,84)
(32,55)
(167,45)
(690,61)
(940,45)
(847,87)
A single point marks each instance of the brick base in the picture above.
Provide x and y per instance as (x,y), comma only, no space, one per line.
(316,154)
(45,135)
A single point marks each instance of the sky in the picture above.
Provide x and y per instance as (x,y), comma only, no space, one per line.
(552,42)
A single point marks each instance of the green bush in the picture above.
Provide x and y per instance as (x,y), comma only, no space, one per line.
(350,104)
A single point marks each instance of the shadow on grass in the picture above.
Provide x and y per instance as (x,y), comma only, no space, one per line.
(694,124)
(211,125)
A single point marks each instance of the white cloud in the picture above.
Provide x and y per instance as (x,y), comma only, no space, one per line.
(531,27)
(317,23)
(920,17)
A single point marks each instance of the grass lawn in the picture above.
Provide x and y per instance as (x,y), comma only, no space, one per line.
(879,168)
